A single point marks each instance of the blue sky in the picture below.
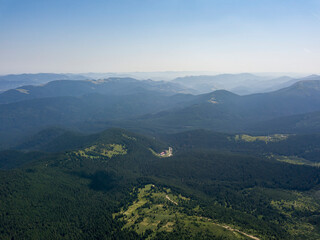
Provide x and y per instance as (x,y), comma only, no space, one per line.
(159,35)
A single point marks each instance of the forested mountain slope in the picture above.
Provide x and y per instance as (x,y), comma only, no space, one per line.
(84,189)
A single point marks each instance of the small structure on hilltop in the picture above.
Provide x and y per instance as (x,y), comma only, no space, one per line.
(165,153)
(169,152)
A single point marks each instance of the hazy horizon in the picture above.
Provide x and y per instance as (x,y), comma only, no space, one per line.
(169,75)
(156,36)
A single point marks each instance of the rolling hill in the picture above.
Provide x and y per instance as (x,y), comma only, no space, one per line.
(242,84)
(18,80)
(26,117)
(72,88)
(205,84)
(227,112)
(300,123)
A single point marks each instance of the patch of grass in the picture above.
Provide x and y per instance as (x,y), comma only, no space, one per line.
(293,208)
(154,153)
(300,203)
(128,137)
(102,150)
(266,139)
(154,213)
(295,160)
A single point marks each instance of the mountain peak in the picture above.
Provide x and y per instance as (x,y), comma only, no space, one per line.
(302,88)
(222,94)
(308,84)
(311,77)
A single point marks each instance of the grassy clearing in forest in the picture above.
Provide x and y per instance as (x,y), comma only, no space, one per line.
(298,204)
(296,160)
(102,150)
(266,139)
(158,210)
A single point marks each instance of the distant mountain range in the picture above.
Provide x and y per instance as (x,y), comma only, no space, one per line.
(224,111)
(205,84)
(110,86)
(154,107)
(242,84)
(17,80)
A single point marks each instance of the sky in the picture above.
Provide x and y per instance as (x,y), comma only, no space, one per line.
(76,36)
